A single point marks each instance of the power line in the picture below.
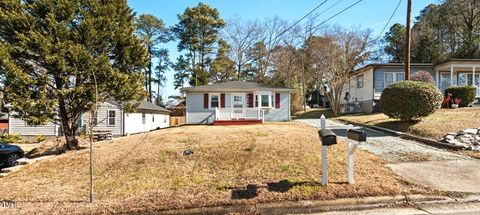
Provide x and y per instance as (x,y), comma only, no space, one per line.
(317,15)
(338,13)
(389,20)
(305,16)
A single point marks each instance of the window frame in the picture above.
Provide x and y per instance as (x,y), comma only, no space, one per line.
(109,117)
(362,78)
(270,101)
(394,78)
(210,95)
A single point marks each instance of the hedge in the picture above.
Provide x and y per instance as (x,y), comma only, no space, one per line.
(410,100)
(465,93)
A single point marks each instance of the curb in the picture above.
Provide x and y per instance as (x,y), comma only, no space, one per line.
(426,141)
(316,206)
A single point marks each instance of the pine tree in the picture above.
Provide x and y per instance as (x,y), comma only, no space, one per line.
(198,30)
(153,32)
(53,54)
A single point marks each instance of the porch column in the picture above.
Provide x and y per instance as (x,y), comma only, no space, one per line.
(473,78)
(451,75)
(437,78)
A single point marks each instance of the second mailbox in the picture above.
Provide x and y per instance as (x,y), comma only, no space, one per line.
(357,135)
(327,137)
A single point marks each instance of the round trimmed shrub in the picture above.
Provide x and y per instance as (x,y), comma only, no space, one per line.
(423,76)
(465,93)
(410,100)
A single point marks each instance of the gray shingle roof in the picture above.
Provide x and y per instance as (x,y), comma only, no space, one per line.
(234,86)
(145,105)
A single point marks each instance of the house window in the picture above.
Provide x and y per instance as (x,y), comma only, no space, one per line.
(214,100)
(153,118)
(392,77)
(143,118)
(111,118)
(265,102)
(256,101)
(272,104)
(360,81)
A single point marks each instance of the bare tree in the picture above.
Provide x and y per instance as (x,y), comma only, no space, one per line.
(241,36)
(340,52)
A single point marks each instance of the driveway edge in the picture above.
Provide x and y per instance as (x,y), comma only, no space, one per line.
(316,206)
(406,136)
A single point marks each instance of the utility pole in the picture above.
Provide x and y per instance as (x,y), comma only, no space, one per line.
(408,41)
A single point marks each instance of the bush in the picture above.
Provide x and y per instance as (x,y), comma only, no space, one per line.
(40,138)
(423,76)
(409,100)
(465,93)
(12,138)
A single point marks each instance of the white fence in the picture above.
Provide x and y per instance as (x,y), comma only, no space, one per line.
(238,113)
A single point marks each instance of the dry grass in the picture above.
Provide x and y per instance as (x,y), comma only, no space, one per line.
(433,126)
(230,165)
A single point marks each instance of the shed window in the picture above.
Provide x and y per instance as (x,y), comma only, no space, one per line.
(111,118)
(143,118)
(360,81)
(153,118)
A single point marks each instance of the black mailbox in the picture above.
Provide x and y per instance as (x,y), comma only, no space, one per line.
(357,135)
(327,137)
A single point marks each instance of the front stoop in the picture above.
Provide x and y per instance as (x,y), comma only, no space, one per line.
(238,122)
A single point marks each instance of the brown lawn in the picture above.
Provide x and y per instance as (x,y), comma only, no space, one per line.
(433,126)
(230,165)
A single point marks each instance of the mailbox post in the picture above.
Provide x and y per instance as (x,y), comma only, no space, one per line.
(328,138)
(358,136)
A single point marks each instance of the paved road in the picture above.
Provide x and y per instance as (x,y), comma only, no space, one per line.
(426,165)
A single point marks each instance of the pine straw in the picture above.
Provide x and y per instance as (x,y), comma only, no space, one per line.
(230,165)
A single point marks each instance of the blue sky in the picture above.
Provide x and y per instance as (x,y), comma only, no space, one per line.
(371,14)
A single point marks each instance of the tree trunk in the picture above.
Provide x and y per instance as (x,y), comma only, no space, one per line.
(149,81)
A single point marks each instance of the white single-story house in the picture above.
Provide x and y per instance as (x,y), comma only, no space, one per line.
(365,86)
(109,117)
(236,102)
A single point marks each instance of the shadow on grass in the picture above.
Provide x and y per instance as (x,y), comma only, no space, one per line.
(251,190)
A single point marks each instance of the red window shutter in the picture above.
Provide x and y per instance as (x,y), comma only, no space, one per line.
(250,100)
(277,100)
(222,100)
(205,100)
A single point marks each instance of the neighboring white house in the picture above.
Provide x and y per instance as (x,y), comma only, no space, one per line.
(363,91)
(109,117)
(236,102)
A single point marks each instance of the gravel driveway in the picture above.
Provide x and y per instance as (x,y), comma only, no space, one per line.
(389,148)
(426,165)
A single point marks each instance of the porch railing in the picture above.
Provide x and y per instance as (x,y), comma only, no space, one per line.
(238,113)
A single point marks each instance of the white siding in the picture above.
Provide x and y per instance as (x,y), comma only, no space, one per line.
(102,119)
(134,123)
(282,113)
(364,93)
(195,113)
(18,126)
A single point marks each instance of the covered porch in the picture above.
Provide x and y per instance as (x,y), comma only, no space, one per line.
(234,108)
(458,73)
